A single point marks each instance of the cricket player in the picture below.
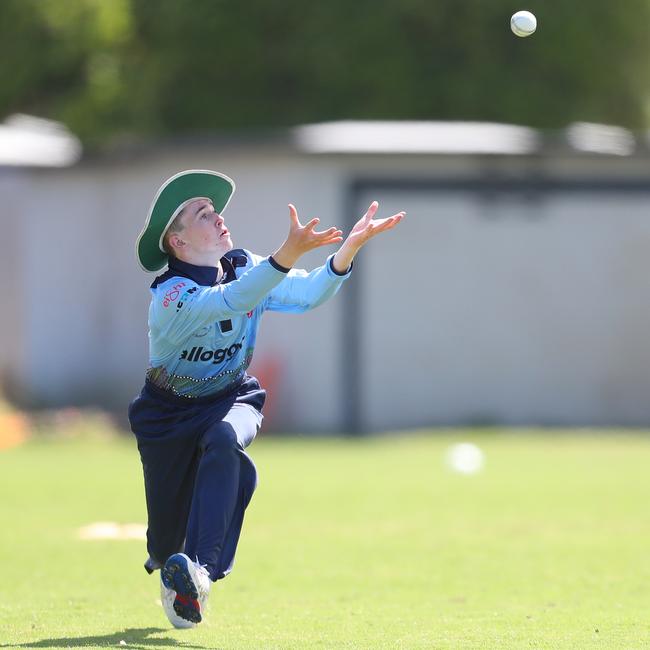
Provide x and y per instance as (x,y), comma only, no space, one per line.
(199,409)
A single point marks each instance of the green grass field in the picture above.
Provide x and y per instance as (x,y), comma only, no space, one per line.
(348,544)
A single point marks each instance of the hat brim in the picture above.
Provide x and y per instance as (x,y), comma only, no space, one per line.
(174,193)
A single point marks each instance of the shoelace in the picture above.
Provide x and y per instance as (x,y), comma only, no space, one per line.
(204,585)
(203,568)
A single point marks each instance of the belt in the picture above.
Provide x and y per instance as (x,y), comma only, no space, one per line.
(182,400)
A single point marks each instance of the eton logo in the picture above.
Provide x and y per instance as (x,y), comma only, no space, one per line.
(172,294)
(216,356)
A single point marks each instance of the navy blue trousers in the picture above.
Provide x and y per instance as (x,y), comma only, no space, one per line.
(198,479)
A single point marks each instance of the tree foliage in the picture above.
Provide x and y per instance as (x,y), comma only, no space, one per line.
(112,67)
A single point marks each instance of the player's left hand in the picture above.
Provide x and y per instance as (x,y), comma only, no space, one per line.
(364,230)
(367,227)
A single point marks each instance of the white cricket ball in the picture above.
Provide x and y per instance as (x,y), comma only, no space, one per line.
(465,458)
(523,23)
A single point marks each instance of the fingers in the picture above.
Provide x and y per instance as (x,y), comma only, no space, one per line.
(336,238)
(371,211)
(332,235)
(293,215)
(329,236)
(388,223)
(328,242)
(396,218)
(365,230)
(328,232)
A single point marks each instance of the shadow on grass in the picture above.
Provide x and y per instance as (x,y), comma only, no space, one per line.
(137,639)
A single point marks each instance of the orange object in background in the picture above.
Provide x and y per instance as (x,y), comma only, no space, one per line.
(268,371)
(14,428)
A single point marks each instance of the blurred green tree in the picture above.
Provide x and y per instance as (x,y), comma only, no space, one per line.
(109,68)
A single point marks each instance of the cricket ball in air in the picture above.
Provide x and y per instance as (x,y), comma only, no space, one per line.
(523,23)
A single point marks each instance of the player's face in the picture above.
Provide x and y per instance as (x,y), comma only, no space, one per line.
(204,231)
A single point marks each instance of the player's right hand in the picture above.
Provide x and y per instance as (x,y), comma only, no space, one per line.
(302,239)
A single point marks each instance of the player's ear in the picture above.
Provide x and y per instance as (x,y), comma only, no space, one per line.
(176,242)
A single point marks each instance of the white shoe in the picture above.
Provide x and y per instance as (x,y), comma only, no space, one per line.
(167,597)
(190,583)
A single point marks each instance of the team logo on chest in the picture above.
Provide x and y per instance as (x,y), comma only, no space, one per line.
(215,356)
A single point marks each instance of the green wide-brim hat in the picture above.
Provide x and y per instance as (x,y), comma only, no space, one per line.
(174,194)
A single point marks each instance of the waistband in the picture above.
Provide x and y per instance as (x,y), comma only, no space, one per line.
(181,400)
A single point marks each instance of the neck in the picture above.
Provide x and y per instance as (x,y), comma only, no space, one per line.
(207,259)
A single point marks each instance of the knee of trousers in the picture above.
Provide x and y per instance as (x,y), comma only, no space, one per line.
(248,476)
(221,439)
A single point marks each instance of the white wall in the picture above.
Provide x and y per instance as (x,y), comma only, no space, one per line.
(88,298)
(504,312)
(515,312)
(14,300)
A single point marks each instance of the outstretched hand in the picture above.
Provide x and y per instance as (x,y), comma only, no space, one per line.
(364,230)
(302,239)
(367,227)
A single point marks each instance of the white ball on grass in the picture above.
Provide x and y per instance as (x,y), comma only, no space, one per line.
(465,458)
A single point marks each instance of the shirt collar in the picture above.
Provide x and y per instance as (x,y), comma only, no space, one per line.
(205,276)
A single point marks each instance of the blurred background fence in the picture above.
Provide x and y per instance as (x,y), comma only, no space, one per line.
(516,292)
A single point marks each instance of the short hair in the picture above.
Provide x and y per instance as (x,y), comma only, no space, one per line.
(174,227)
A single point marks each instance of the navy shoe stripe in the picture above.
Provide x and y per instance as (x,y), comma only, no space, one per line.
(176,576)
